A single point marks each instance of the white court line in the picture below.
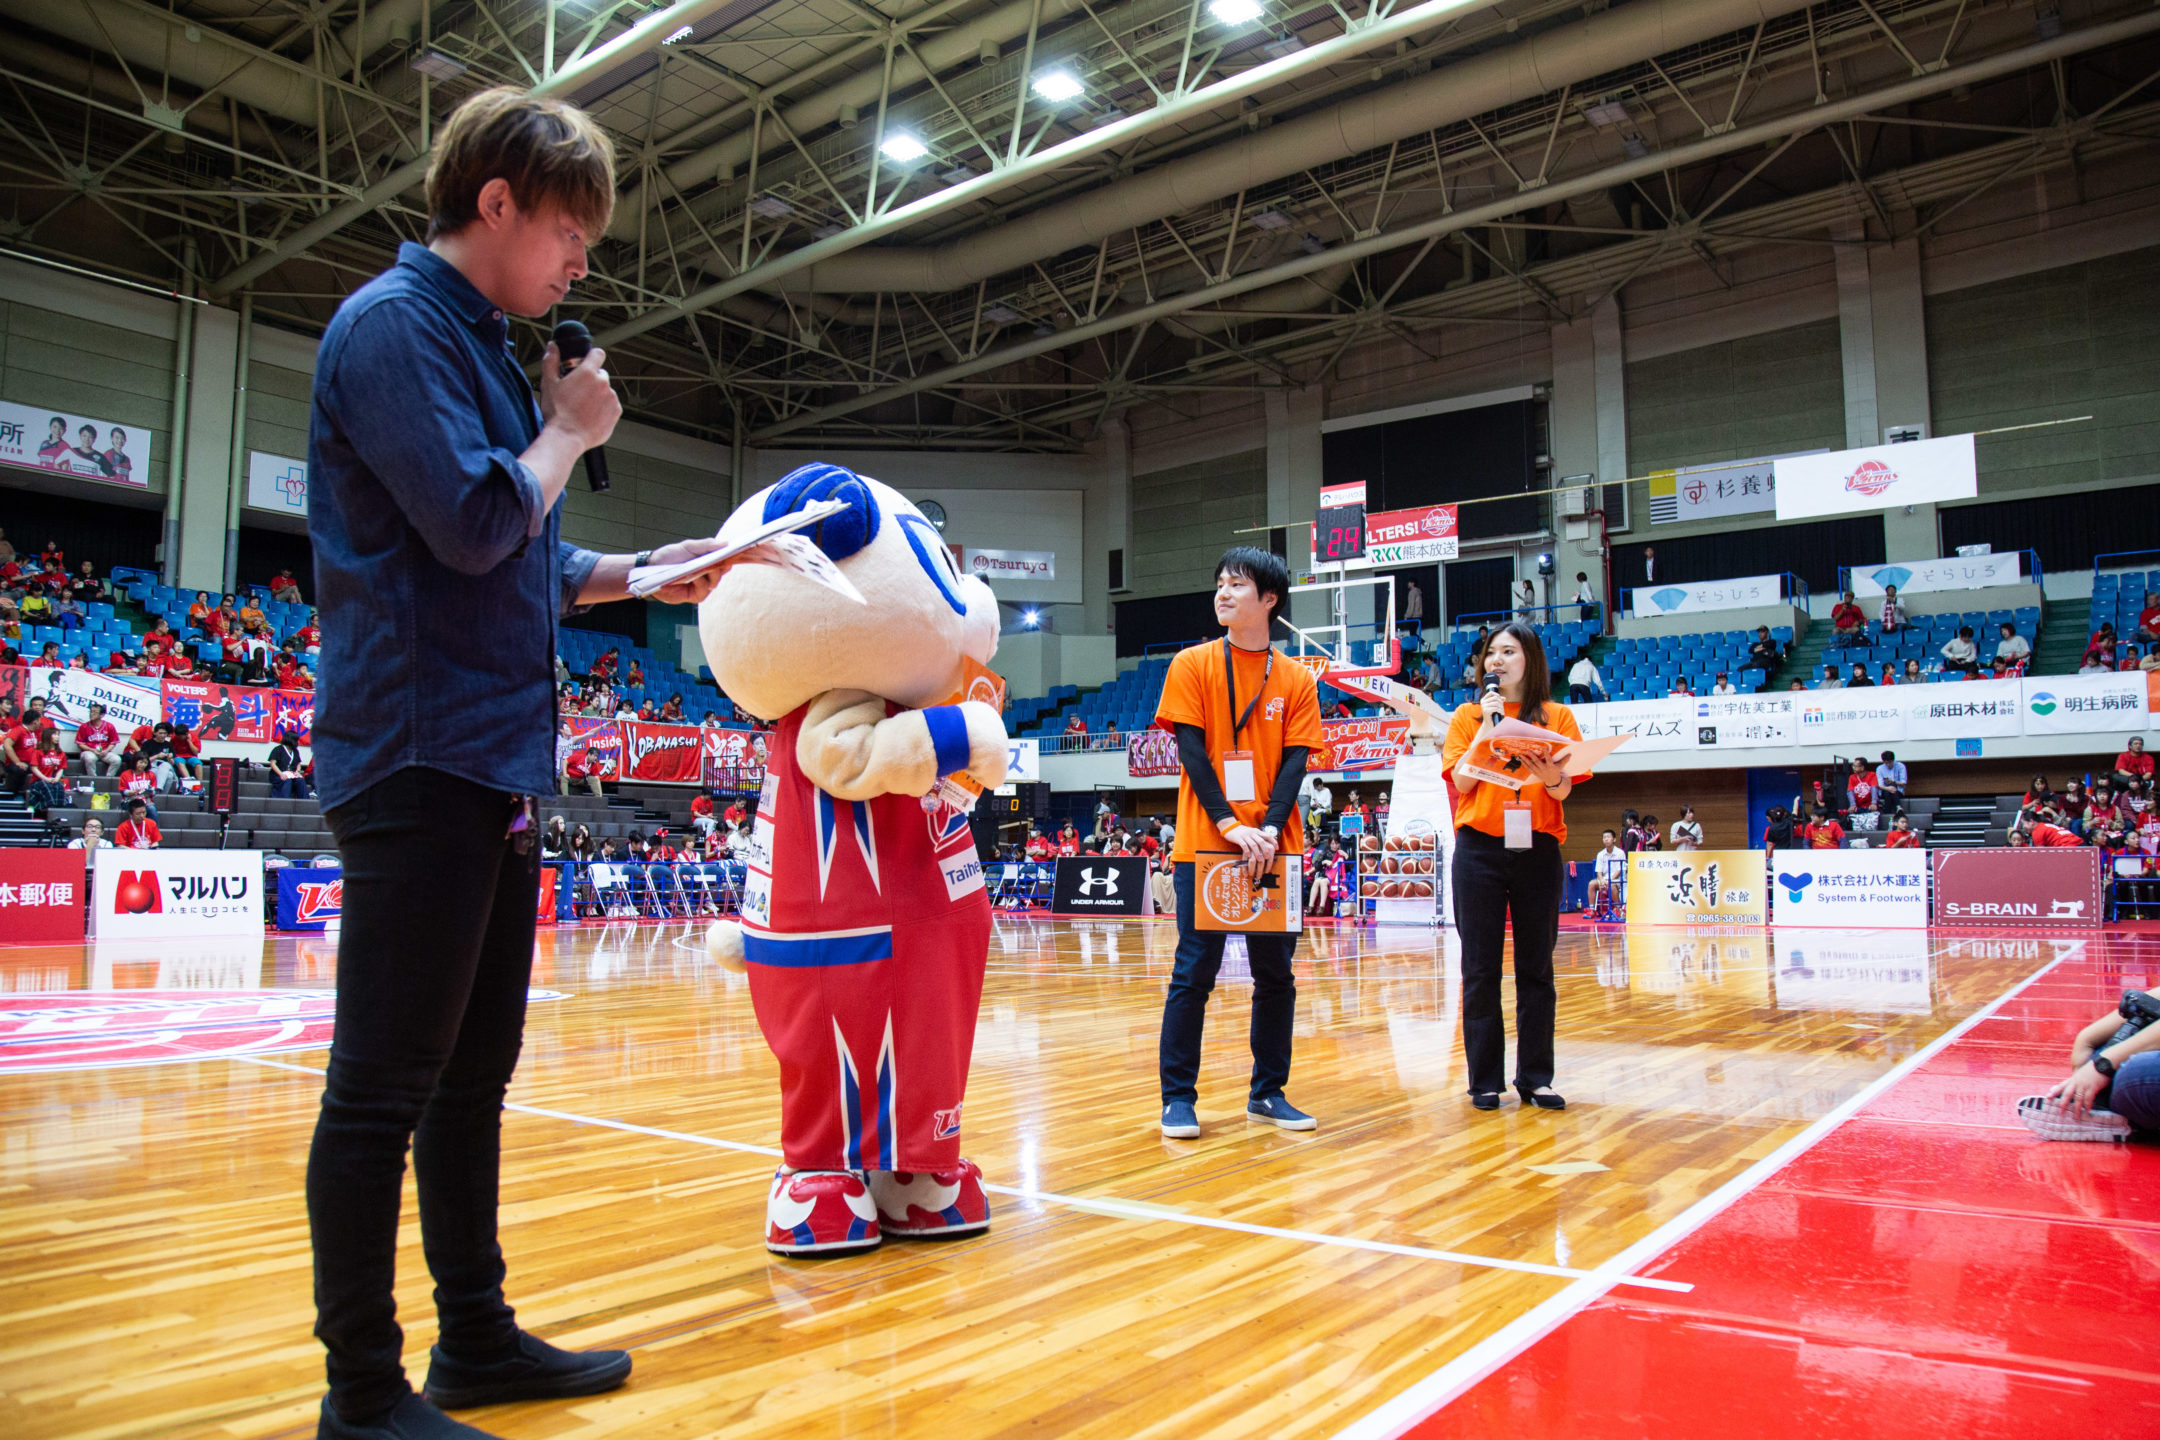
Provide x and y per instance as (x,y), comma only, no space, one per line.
(1123,1209)
(1437,1390)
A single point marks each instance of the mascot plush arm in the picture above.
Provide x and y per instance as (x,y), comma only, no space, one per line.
(852,750)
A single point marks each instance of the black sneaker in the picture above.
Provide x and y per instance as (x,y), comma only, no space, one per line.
(412,1418)
(538,1371)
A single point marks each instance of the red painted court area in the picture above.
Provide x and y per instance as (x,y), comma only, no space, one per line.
(1928,1268)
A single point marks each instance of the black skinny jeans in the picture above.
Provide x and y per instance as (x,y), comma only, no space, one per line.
(1491,883)
(433,961)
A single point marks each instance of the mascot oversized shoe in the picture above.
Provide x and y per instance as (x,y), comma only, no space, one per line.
(819,1212)
(916,1205)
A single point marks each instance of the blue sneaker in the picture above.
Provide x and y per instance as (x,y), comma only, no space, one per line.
(1179,1122)
(1280,1113)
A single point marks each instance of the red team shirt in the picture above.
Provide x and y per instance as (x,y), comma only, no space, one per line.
(865,927)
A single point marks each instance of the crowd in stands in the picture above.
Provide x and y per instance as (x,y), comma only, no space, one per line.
(2114,813)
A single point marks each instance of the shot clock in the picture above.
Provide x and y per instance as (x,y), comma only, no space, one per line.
(1339,526)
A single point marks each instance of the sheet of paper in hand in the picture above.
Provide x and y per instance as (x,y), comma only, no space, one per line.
(775,543)
(1228,897)
(1497,755)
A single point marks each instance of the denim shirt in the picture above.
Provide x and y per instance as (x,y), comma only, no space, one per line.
(438,575)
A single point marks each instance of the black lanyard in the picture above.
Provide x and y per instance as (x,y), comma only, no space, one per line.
(1229,665)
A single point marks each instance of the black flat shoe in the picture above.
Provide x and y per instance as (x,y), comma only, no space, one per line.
(1488,1100)
(538,1371)
(1543,1100)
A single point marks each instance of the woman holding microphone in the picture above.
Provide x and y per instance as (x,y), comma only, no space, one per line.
(1507,865)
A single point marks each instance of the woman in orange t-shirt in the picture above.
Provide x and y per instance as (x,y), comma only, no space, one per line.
(1496,877)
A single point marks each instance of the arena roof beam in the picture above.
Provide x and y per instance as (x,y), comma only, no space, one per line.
(1769,131)
(646,34)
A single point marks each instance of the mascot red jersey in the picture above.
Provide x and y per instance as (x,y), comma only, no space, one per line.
(865,924)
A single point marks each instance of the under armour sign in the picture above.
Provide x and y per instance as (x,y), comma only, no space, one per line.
(1102,885)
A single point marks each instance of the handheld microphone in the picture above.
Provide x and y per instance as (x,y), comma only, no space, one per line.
(1492,687)
(573,342)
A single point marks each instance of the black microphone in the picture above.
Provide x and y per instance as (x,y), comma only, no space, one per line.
(1492,687)
(573,342)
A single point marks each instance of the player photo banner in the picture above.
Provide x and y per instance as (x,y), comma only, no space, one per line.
(1149,753)
(69,694)
(671,753)
(211,711)
(35,438)
(602,742)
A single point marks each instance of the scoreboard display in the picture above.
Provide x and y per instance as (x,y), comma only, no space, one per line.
(1339,527)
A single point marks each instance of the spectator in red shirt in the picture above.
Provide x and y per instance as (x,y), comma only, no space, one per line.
(139,831)
(120,663)
(186,756)
(604,667)
(672,712)
(1901,835)
(1039,845)
(575,760)
(2148,621)
(49,657)
(284,589)
(1068,840)
(1074,725)
(97,740)
(309,635)
(2043,830)
(234,648)
(1680,686)
(636,678)
(1860,786)
(2134,760)
(1847,623)
(702,818)
(1824,833)
(48,765)
(178,665)
(2130,660)
(734,814)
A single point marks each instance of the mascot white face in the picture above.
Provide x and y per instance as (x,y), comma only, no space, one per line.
(776,639)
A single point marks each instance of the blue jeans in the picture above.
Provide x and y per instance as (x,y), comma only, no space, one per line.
(1192,979)
(2135,1093)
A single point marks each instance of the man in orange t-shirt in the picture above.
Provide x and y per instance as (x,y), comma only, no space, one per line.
(1245,720)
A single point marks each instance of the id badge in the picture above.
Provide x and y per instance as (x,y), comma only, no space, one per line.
(1515,825)
(1237,777)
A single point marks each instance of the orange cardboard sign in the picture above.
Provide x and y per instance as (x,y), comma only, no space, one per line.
(1227,897)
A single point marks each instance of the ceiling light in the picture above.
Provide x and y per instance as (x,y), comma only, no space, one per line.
(437,66)
(1312,245)
(1058,85)
(772,207)
(1606,112)
(826,231)
(1001,314)
(1234,12)
(680,33)
(1269,220)
(1277,49)
(901,148)
(1031,618)
(957,175)
(1633,144)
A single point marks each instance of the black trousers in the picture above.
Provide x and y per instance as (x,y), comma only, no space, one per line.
(1192,980)
(1492,884)
(433,960)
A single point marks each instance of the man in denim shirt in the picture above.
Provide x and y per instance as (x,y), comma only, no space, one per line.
(437,477)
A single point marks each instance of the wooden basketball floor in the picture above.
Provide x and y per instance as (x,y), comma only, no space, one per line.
(1410,1253)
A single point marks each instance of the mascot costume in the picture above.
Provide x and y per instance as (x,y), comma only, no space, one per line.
(865,922)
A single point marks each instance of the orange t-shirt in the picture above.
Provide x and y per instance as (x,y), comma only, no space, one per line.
(1196,692)
(1481,809)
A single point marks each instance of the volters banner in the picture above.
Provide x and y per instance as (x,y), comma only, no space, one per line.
(69,694)
(1695,887)
(1852,889)
(153,894)
(309,898)
(1352,745)
(1411,537)
(1876,477)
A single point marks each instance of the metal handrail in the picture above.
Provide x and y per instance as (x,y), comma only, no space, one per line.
(2100,561)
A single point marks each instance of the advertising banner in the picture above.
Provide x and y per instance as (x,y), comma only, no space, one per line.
(662,752)
(1150,753)
(1743,593)
(2075,704)
(1094,886)
(602,742)
(1695,887)
(1712,492)
(35,438)
(1827,716)
(41,896)
(1023,760)
(277,482)
(1743,722)
(1852,889)
(996,565)
(1411,537)
(1917,577)
(2026,887)
(1883,972)
(309,898)
(1655,724)
(1962,709)
(152,894)
(69,694)
(1876,477)
(1354,745)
